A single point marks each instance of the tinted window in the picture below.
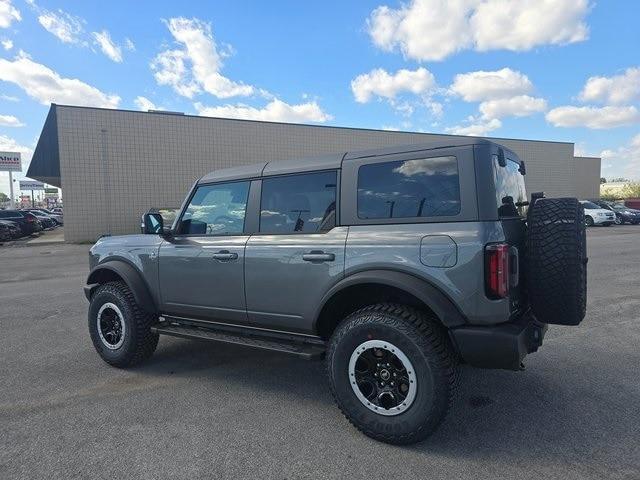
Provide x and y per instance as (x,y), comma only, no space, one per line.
(216,210)
(298,203)
(590,206)
(427,187)
(510,189)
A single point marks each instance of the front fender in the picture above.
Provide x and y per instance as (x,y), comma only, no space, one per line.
(129,275)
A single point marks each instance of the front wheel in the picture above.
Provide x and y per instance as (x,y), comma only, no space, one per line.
(619,220)
(120,330)
(588,221)
(392,372)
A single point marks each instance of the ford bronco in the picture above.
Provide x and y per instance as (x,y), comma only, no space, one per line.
(393,265)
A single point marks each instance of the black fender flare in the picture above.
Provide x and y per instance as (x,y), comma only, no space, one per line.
(425,291)
(130,275)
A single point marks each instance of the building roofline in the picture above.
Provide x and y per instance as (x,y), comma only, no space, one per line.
(182,114)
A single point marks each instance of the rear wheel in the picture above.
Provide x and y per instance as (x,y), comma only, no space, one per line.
(392,372)
(119,329)
(619,220)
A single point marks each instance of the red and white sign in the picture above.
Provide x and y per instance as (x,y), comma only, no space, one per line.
(10,162)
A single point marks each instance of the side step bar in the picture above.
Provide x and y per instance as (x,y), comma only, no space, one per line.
(305,348)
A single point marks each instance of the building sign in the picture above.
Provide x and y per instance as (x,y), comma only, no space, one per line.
(51,190)
(31,185)
(10,162)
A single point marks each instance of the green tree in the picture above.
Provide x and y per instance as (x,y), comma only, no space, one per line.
(603,180)
(4,197)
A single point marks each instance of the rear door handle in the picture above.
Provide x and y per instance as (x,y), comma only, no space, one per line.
(318,256)
(224,255)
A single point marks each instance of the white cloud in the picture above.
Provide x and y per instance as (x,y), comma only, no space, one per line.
(47,86)
(518,106)
(429,30)
(381,83)
(626,157)
(129,45)
(9,98)
(199,50)
(524,24)
(275,111)
(67,28)
(593,117)
(482,85)
(613,90)
(478,129)
(108,46)
(10,121)
(7,44)
(143,103)
(8,14)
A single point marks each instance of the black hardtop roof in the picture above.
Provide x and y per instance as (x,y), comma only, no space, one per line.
(333,161)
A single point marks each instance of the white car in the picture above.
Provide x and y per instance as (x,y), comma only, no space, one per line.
(595,215)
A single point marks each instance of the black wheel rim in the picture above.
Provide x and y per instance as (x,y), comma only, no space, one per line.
(382,377)
(111,326)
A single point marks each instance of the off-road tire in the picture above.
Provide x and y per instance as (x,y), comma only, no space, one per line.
(425,342)
(556,263)
(139,341)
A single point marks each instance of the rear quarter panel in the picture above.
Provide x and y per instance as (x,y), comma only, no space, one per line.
(398,247)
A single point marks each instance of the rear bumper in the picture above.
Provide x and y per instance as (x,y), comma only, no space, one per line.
(501,346)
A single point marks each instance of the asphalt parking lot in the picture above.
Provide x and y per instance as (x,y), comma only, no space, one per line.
(204,410)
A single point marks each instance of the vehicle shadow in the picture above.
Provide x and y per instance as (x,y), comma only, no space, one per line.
(541,414)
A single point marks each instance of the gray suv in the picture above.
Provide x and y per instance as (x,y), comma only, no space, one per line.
(395,265)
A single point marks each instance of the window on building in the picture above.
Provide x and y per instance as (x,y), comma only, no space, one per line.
(426,187)
(216,210)
(304,203)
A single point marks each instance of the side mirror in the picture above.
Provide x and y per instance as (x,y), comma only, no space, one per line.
(152,224)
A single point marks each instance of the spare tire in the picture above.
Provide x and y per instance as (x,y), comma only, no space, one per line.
(556,264)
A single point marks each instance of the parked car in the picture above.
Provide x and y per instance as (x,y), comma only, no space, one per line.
(58,218)
(623,213)
(11,228)
(596,215)
(47,221)
(392,264)
(57,210)
(27,222)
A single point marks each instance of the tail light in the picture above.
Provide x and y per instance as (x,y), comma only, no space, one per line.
(497,270)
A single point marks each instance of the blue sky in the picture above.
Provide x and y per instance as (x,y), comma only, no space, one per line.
(566,70)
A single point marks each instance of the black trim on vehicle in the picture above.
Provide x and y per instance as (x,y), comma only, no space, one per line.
(501,346)
(130,276)
(430,295)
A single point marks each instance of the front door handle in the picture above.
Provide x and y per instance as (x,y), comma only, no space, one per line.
(224,255)
(318,256)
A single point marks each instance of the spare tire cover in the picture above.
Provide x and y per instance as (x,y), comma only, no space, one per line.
(556,263)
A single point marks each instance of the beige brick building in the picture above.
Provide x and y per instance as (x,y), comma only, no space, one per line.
(113,165)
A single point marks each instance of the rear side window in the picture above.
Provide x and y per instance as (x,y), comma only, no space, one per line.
(216,210)
(426,187)
(304,203)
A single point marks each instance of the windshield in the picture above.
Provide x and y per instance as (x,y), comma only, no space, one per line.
(591,206)
(510,190)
